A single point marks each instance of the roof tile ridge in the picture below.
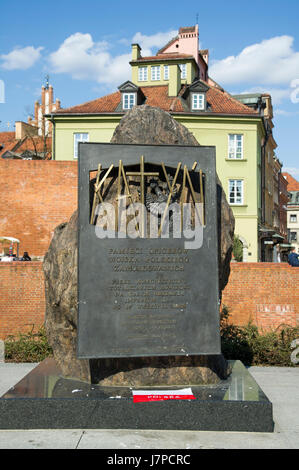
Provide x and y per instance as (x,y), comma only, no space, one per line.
(173,103)
(178,98)
(183,89)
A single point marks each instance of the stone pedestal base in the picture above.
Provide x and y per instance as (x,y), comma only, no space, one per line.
(45,400)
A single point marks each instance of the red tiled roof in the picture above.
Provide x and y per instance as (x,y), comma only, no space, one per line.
(6,137)
(293,184)
(223,103)
(35,144)
(105,104)
(8,141)
(219,101)
(157,96)
(11,144)
(8,147)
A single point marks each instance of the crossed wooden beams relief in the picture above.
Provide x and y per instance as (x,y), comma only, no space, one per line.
(123,176)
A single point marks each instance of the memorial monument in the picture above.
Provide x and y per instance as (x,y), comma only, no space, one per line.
(133,284)
(153,126)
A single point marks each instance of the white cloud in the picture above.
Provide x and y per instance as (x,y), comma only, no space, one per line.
(292,171)
(21,58)
(157,40)
(283,112)
(272,61)
(85,59)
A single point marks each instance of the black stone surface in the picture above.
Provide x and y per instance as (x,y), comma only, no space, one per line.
(112,321)
(43,399)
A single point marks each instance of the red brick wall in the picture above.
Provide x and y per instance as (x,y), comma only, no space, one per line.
(265,293)
(22,297)
(36,196)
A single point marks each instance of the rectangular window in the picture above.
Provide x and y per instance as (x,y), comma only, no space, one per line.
(155,72)
(183,68)
(293,218)
(235,146)
(198,101)
(142,74)
(129,100)
(293,236)
(166,72)
(79,137)
(235,191)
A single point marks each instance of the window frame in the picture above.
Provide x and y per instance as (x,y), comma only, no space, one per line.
(166,75)
(183,68)
(236,203)
(129,94)
(143,74)
(76,142)
(293,216)
(235,147)
(202,95)
(155,73)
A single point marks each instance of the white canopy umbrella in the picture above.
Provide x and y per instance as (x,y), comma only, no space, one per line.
(11,240)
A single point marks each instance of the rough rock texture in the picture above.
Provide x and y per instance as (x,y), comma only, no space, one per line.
(153,371)
(60,269)
(142,125)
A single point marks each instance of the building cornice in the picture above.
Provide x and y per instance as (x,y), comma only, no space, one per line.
(161,59)
(181,114)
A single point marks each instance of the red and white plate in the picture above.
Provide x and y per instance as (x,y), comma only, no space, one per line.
(158,395)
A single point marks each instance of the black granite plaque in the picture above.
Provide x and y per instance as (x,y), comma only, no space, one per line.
(148,296)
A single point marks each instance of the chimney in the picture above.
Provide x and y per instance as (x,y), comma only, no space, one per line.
(19,134)
(174,85)
(50,95)
(36,108)
(22,129)
(43,97)
(136,51)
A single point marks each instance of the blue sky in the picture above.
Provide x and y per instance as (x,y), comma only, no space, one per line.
(85,48)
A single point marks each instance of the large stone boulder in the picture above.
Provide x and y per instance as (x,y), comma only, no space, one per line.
(141,125)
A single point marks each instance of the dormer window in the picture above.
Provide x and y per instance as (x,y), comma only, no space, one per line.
(196,96)
(129,100)
(198,101)
(131,96)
